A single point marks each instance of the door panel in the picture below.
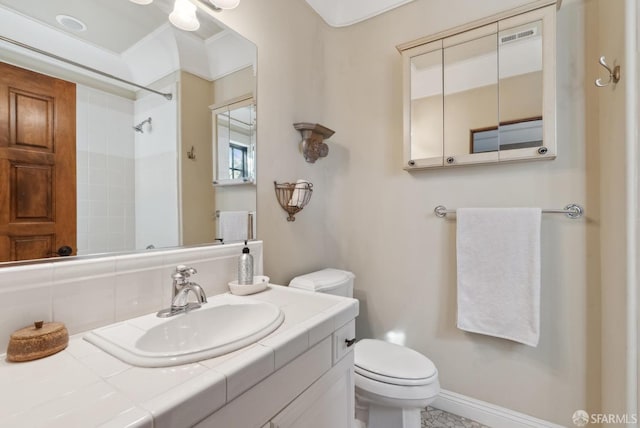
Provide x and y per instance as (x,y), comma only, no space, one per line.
(31,188)
(37,164)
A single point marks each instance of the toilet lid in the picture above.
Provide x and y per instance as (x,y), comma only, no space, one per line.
(391,363)
(323,280)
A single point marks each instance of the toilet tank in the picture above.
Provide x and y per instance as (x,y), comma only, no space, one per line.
(331,281)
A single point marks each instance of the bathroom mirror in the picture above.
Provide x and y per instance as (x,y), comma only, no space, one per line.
(143,162)
(470,94)
(234,138)
(426,120)
(481,93)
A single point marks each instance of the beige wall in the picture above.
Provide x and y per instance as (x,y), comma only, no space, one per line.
(290,88)
(197,192)
(426,127)
(475,108)
(609,105)
(521,96)
(371,217)
(234,85)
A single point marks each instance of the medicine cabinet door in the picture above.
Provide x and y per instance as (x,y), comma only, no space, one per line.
(423,114)
(527,86)
(471,96)
(234,129)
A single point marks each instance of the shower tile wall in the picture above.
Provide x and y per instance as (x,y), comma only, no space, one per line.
(105,172)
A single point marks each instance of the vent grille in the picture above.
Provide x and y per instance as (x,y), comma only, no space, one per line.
(524,34)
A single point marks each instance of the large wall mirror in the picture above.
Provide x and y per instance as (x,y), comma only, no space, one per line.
(481,93)
(142,165)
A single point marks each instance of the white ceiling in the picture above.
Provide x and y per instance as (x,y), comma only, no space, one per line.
(115,25)
(340,13)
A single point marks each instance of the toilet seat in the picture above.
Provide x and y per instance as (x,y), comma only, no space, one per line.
(394,375)
(393,364)
(388,394)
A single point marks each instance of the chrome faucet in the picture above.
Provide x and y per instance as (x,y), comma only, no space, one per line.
(180,293)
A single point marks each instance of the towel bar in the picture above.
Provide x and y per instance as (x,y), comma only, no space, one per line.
(571,210)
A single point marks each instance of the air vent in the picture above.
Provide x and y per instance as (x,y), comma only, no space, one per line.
(520,35)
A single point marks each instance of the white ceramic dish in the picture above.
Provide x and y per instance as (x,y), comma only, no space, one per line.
(260,282)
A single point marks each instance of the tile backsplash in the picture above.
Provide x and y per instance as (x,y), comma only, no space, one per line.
(86,293)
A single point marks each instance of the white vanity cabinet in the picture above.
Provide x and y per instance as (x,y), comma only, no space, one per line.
(483,92)
(329,402)
(315,390)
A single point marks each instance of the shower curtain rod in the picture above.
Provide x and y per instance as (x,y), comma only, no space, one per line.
(168,96)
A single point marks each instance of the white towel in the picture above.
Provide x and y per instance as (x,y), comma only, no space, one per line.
(233,225)
(498,255)
(298,194)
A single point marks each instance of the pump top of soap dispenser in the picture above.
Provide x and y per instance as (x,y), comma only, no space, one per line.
(245,250)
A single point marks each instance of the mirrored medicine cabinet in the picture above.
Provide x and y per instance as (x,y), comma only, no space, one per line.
(234,137)
(482,93)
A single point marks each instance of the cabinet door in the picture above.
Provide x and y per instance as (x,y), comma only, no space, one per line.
(527,85)
(497,94)
(327,403)
(471,96)
(423,143)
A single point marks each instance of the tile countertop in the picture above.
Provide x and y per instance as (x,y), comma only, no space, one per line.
(84,386)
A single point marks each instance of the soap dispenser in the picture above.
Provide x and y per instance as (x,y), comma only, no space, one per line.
(245,267)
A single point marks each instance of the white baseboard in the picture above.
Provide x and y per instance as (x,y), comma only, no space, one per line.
(487,413)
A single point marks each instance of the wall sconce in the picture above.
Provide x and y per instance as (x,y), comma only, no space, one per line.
(313,135)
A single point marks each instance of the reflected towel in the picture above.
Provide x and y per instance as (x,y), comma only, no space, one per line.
(234,225)
(498,257)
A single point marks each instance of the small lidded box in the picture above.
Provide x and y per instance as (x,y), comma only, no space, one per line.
(37,341)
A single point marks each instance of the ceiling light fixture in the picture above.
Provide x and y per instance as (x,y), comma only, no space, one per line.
(225,4)
(71,23)
(184,15)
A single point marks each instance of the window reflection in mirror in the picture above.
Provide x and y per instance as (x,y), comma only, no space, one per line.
(470,94)
(235,143)
(426,105)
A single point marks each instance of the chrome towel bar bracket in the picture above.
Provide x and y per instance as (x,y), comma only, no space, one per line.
(572,211)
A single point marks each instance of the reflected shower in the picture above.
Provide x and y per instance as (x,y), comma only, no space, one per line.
(138,127)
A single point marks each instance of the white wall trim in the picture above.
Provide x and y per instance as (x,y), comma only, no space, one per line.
(487,413)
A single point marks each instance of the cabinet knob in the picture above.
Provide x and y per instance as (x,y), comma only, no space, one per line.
(450,160)
(350,342)
(411,163)
(64,251)
(542,150)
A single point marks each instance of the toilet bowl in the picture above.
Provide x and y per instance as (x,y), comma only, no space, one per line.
(393,383)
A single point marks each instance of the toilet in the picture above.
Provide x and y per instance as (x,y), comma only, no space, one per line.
(393,382)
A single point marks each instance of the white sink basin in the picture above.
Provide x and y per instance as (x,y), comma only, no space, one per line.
(221,326)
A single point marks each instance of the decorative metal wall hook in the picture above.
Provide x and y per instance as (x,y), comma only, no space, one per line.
(191,154)
(614,75)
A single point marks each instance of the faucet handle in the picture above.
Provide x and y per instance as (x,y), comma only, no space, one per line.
(185,270)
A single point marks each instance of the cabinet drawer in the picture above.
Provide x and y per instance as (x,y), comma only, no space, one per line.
(343,340)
